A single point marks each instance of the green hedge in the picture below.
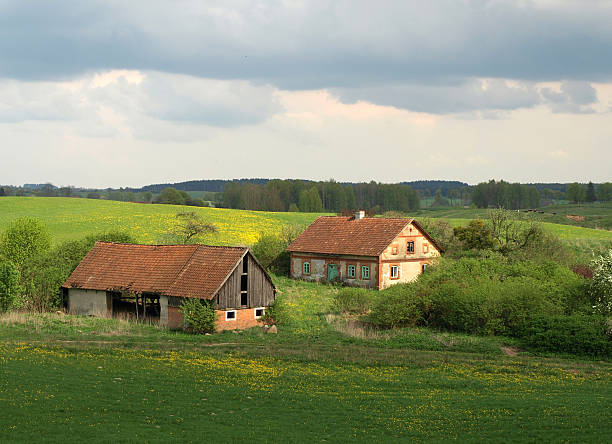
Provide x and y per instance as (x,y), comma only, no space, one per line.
(578,334)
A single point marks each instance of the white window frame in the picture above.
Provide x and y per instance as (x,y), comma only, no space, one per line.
(231,311)
(396,276)
(255,312)
(348,272)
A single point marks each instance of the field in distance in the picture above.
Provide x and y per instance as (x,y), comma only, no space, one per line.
(69,218)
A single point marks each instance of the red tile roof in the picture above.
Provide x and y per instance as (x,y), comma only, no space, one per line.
(346,235)
(349,236)
(171,270)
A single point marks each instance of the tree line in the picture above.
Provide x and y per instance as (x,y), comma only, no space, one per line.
(331,196)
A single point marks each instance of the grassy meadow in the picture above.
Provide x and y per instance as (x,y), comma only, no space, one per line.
(69,219)
(324,377)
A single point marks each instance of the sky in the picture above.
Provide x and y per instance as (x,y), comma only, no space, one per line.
(114,93)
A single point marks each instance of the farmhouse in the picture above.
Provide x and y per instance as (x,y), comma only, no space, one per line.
(362,251)
(151,281)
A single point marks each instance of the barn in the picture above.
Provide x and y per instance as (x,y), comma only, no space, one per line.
(370,252)
(150,282)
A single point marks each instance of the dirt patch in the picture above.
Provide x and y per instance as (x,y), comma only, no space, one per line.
(510,351)
(575,217)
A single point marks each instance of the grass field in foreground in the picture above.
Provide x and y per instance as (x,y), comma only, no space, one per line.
(59,393)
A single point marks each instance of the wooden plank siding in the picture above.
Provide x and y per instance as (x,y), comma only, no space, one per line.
(260,292)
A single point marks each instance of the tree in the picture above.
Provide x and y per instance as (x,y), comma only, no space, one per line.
(601,284)
(170,196)
(575,192)
(147,196)
(93,195)
(476,235)
(509,232)
(604,191)
(310,201)
(590,193)
(24,239)
(9,287)
(191,226)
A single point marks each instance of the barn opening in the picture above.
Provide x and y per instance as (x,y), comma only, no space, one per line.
(132,306)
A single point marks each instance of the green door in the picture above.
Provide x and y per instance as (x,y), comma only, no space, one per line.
(332,272)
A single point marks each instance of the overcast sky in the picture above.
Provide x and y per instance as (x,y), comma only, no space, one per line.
(116,93)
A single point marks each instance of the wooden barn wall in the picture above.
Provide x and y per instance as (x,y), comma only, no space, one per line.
(229,294)
(259,289)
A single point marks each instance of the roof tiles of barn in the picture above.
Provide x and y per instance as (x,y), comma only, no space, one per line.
(171,270)
(349,236)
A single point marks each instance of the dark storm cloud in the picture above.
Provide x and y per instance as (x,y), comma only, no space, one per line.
(411,54)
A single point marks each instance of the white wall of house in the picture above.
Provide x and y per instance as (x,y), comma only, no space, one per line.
(87,302)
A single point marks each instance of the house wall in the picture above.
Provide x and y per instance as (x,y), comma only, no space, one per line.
(245,318)
(319,264)
(409,264)
(87,302)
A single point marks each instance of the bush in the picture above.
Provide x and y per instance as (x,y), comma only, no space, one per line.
(270,250)
(601,284)
(24,239)
(352,300)
(581,335)
(485,296)
(9,287)
(199,315)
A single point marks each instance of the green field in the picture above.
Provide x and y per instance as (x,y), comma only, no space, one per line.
(69,218)
(324,377)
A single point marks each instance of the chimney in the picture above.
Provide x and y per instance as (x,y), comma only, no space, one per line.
(359,214)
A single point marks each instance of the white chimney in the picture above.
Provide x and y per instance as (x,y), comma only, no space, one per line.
(359,214)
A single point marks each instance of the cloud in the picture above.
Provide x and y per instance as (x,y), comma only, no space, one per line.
(130,98)
(310,45)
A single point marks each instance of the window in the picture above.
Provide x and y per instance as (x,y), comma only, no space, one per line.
(350,271)
(423,267)
(410,247)
(394,272)
(245,265)
(244,282)
(393,250)
(244,300)
(259,312)
(425,248)
(230,315)
(365,272)
(306,267)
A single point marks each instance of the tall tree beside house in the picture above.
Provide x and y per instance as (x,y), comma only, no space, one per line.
(590,193)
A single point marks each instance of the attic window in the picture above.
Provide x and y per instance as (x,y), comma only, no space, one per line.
(410,247)
(394,250)
(245,265)
(425,248)
(230,315)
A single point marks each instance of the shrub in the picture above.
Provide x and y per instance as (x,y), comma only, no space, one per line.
(578,334)
(9,287)
(270,250)
(352,300)
(476,235)
(397,306)
(199,315)
(24,239)
(601,284)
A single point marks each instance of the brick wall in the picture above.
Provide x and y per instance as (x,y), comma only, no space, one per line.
(175,318)
(245,318)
